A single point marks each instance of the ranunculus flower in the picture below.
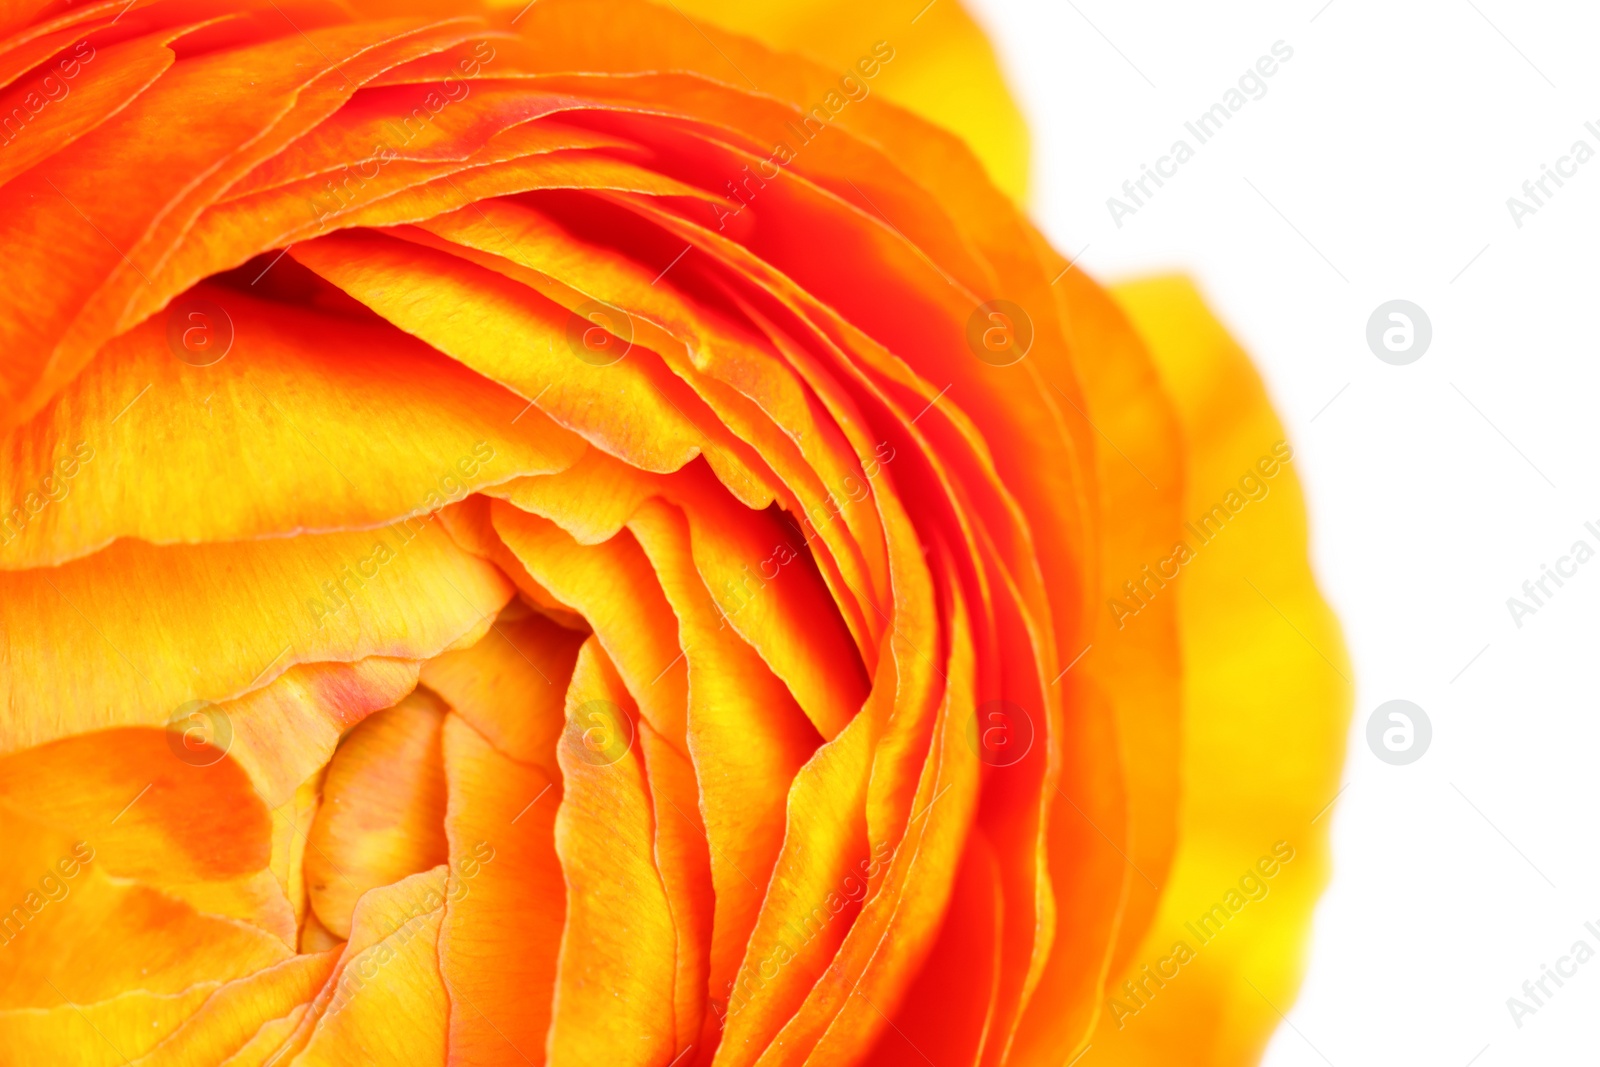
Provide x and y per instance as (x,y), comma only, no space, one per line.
(562,535)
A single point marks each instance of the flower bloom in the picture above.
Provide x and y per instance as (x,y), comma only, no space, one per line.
(566,536)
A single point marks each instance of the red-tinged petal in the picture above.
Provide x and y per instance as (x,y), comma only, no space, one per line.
(905,904)
(242,105)
(951,1005)
(127,69)
(574,255)
(284,732)
(747,736)
(1114,818)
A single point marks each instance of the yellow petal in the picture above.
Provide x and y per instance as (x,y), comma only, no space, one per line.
(385,1005)
(233,1014)
(614,992)
(747,736)
(942,66)
(135,632)
(1267,695)
(310,421)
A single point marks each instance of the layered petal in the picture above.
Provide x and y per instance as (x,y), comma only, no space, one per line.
(563,534)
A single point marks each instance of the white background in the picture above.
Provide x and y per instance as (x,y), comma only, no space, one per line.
(1377,167)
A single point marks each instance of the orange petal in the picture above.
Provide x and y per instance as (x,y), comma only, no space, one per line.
(382,814)
(506,902)
(511,686)
(98,828)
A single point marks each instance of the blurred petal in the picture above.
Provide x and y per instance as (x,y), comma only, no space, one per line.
(1257,638)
